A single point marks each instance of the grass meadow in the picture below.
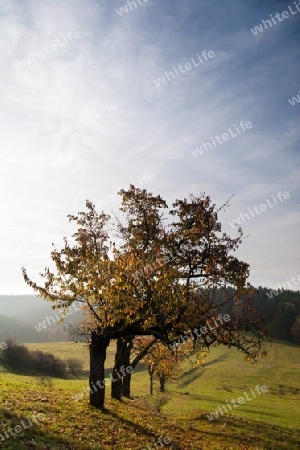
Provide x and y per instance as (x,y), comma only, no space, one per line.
(268,421)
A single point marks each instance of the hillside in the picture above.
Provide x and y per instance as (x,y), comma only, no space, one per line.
(28,318)
(21,332)
(29,308)
(267,422)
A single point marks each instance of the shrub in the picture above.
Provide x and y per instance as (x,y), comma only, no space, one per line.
(45,381)
(75,366)
(33,362)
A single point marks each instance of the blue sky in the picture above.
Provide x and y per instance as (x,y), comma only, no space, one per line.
(58,149)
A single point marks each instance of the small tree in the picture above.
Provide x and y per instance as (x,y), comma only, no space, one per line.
(160,361)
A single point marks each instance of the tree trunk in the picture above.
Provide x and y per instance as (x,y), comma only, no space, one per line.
(162,380)
(151,384)
(126,385)
(137,359)
(126,380)
(98,348)
(121,383)
(121,378)
(151,373)
(116,384)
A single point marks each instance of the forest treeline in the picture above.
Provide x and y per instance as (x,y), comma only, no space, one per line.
(281,310)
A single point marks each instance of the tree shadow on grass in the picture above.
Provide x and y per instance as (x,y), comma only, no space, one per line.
(190,376)
(135,426)
(259,435)
(247,434)
(151,436)
(196,372)
(31,436)
(221,358)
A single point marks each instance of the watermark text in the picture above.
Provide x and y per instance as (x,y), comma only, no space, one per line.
(24,424)
(265,24)
(211,325)
(241,401)
(42,52)
(205,146)
(183,68)
(259,209)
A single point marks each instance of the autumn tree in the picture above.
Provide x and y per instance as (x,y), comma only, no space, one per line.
(159,360)
(144,276)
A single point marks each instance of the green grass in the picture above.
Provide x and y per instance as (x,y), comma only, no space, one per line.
(65,350)
(269,421)
(226,377)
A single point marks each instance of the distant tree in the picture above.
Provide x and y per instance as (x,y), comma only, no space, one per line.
(159,360)
(279,309)
(159,280)
(285,316)
(295,330)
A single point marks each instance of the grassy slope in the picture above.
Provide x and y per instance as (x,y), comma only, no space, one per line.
(266,422)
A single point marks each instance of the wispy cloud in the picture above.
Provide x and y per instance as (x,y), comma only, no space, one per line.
(46,174)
